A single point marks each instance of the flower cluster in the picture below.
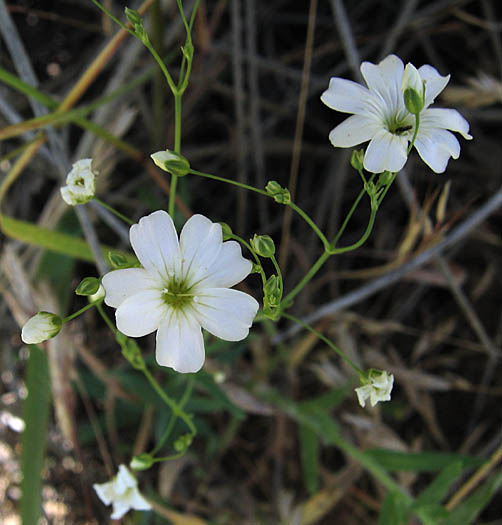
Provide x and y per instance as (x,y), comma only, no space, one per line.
(381,116)
(184,285)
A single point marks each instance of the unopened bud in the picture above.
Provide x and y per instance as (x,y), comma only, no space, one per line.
(263,245)
(41,327)
(172,162)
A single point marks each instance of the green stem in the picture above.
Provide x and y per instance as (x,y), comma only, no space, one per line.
(256,258)
(311,329)
(279,274)
(106,319)
(292,205)
(177,148)
(172,419)
(362,240)
(384,193)
(113,210)
(81,311)
(311,223)
(298,288)
(170,402)
(349,215)
(415,133)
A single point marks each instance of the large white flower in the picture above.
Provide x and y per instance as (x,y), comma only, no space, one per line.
(182,287)
(381,117)
(123,492)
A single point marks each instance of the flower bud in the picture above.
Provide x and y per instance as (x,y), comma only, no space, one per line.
(88,286)
(183,442)
(357,159)
(226,231)
(118,260)
(142,461)
(263,245)
(98,296)
(172,162)
(133,16)
(41,327)
(413,89)
(279,194)
(80,183)
(131,351)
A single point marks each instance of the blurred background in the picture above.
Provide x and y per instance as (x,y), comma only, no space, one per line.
(253,113)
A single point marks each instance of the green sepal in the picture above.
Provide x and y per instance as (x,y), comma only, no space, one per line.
(88,286)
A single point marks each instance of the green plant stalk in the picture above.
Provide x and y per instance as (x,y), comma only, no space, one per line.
(415,133)
(323,338)
(106,319)
(170,402)
(113,210)
(172,419)
(81,311)
(279,273)
(362,240)
(256,258)
(292,205)
(177,148)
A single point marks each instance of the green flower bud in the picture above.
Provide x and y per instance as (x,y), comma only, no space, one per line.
(142,461)
(357,159)
(172,162)
(279,194)
(183,442)
(133,16)
(256,268)
(118,260)
(187,51)
(88,286)
(413,89)
(226,231)
(263,245)
(272,292)
(41,327)
(98,296)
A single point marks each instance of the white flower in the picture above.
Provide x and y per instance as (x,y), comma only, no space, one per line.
(81,183)
(377,387)
(41,327)
(381,117)
(123,492)
(182,287)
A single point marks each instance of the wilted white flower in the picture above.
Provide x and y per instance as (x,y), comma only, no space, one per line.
(81,183)
(377,387)
(123,492)
(41,327)
(380,116)
(184,285)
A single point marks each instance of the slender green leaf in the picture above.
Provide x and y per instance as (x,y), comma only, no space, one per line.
(438,489)
(309,454)
(36,417)
(52,240)
(393,460)
(470,509)
(394,510)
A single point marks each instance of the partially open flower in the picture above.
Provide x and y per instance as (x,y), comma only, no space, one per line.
(122,491)
(41,327)
(376,387)
(80,183)
(184,285)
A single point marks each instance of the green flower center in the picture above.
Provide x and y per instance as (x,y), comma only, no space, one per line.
(399,124)
(177,294)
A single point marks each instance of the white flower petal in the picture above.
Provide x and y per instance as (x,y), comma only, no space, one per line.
(179,343)
(345,95)
(386,152)
(436,148)
(119,285)
(105,491)
(155,243)
(227,314)
(434,82)
(228,269)
(119,509)
(138,502)
(141,314)
(353,131)
(200,244)
(125,479)
(445,119)
(386,79)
